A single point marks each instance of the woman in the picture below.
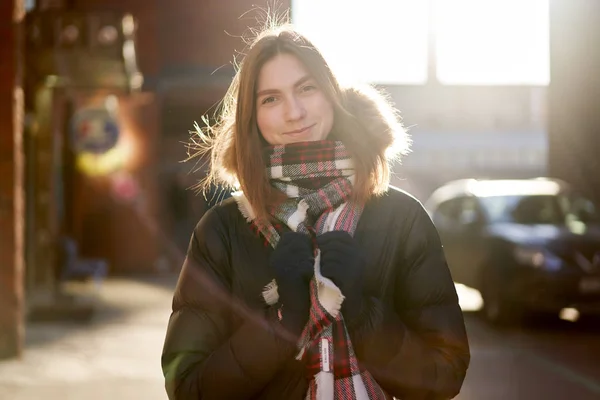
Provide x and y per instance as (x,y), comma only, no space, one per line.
(317,279)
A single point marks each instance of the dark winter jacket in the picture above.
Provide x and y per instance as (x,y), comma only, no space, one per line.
(223,342)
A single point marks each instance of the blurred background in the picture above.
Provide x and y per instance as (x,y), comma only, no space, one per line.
(97,101)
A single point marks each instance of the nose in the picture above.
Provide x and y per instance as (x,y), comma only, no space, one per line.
(295,109)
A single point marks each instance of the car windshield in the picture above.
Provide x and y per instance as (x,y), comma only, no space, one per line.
(540,209)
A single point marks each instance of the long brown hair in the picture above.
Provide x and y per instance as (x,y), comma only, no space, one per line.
(364,121)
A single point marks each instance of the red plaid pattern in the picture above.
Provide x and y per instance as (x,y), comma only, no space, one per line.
(318,178)
(311,162)
(338,360)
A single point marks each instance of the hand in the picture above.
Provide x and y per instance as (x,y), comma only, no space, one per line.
(292,263)
(344,263)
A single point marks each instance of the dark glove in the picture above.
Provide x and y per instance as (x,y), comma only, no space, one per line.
(343,262)
(292,263)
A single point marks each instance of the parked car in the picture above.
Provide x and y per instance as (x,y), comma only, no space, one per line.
(526,245)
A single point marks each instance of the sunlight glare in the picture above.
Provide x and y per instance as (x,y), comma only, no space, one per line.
(492,41)
(495,42)
(381,41)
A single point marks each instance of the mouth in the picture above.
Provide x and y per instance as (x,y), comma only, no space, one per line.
(299,131)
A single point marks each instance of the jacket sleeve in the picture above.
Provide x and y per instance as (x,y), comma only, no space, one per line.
(417,349)
(203,357)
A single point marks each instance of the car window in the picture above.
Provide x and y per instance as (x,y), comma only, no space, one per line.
(458,211)
(578,208)
(538,210)
(447,213)
(469,210)
(497,208)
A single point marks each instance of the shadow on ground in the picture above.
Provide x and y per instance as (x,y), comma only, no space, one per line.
(118,299)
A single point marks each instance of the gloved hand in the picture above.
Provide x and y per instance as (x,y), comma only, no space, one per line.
(292,263)
(343,262)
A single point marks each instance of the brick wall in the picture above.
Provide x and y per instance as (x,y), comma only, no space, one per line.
(11,180)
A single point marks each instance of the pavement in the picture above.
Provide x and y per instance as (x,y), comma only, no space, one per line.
(545,358)
(115,355)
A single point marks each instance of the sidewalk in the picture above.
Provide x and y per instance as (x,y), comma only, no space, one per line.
(115,356)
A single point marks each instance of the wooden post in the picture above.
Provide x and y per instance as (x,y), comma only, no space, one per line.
(11,179)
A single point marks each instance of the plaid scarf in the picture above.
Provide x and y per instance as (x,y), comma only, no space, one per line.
(317,178)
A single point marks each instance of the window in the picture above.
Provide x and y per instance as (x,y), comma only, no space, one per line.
(492,42)
(453,213)
(380,41)
(579,209)
(447,213)
(534,210)
(469,211)
(497,208)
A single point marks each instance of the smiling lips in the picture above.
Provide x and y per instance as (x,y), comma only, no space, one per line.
(296,132)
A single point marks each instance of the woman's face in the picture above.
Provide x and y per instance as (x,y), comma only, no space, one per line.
(290,106)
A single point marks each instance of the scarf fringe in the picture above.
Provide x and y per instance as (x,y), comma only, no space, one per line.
(270,293)
(329,295)
(328,167)
(325,386)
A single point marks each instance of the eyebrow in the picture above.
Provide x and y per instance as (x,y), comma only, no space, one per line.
(300,81)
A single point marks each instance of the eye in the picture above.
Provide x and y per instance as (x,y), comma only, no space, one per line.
(308,88)
(267,100)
